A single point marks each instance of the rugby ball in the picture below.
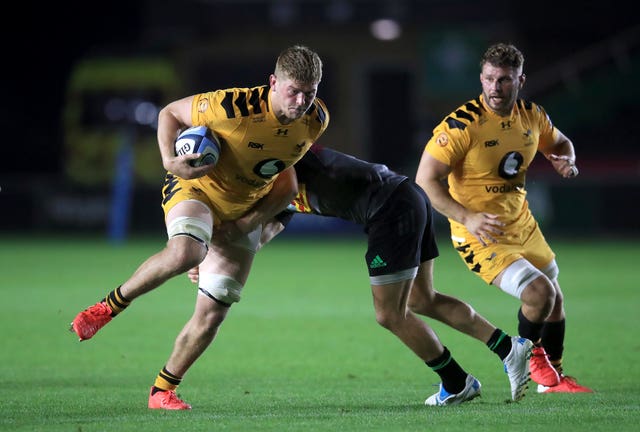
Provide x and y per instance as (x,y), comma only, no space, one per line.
(199,139)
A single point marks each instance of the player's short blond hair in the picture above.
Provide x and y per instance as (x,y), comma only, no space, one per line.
(299,63)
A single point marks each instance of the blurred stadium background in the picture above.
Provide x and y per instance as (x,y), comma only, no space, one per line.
(82,91)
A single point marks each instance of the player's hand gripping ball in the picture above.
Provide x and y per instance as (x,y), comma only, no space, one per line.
(199,139)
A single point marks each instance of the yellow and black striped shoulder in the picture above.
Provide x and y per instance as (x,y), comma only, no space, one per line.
(245,101)
(465,115)
(527,105)
(318,111)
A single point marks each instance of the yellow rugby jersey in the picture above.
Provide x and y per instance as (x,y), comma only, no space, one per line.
(489,155)
(255,146)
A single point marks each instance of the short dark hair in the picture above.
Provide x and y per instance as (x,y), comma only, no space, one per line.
(502,54)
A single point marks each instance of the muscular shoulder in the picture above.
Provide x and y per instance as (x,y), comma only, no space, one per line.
(534,117)
(452,136)
(529,106)
(318,116)
(466,115)
(231,103)
(532,111)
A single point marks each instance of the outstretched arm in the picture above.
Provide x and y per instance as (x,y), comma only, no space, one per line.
(266,213)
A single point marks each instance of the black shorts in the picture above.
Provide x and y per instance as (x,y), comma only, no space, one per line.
(401,234)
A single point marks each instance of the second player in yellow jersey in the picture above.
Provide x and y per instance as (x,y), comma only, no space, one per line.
(473,168)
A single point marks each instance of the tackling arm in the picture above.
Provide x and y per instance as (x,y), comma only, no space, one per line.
(284,189)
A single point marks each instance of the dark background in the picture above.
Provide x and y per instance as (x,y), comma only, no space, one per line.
(43,44)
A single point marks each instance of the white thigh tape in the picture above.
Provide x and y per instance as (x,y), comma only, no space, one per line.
(190,226)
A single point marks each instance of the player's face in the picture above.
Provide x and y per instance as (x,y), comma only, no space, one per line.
(500,87)
(291,99)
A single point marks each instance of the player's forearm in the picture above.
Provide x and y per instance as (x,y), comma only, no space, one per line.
(269,230)
(168,127)
(442,201)
(561,147)
(171,119)
(283,192)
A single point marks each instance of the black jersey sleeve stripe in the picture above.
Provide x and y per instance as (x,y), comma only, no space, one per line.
(455,124)
(322,116)
(464,115)
(524,104)
(473,108)
(254,101)
(227,104)
(241,103)
(264,95)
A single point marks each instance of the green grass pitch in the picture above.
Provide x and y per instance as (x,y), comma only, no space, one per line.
(302,350)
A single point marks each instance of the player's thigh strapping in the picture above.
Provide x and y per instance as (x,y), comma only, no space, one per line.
(212,281)
(224,284)
(187,211)
(522,256)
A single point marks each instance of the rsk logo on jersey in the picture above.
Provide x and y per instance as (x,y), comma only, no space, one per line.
(255,145)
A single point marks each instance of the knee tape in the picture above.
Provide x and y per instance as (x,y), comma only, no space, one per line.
(190,226)
(220,287)
(517,276)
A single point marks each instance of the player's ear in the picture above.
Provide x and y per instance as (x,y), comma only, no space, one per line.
(272,81)
(522,78)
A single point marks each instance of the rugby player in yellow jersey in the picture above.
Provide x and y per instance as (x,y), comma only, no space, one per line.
(483,150)
(263,130)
